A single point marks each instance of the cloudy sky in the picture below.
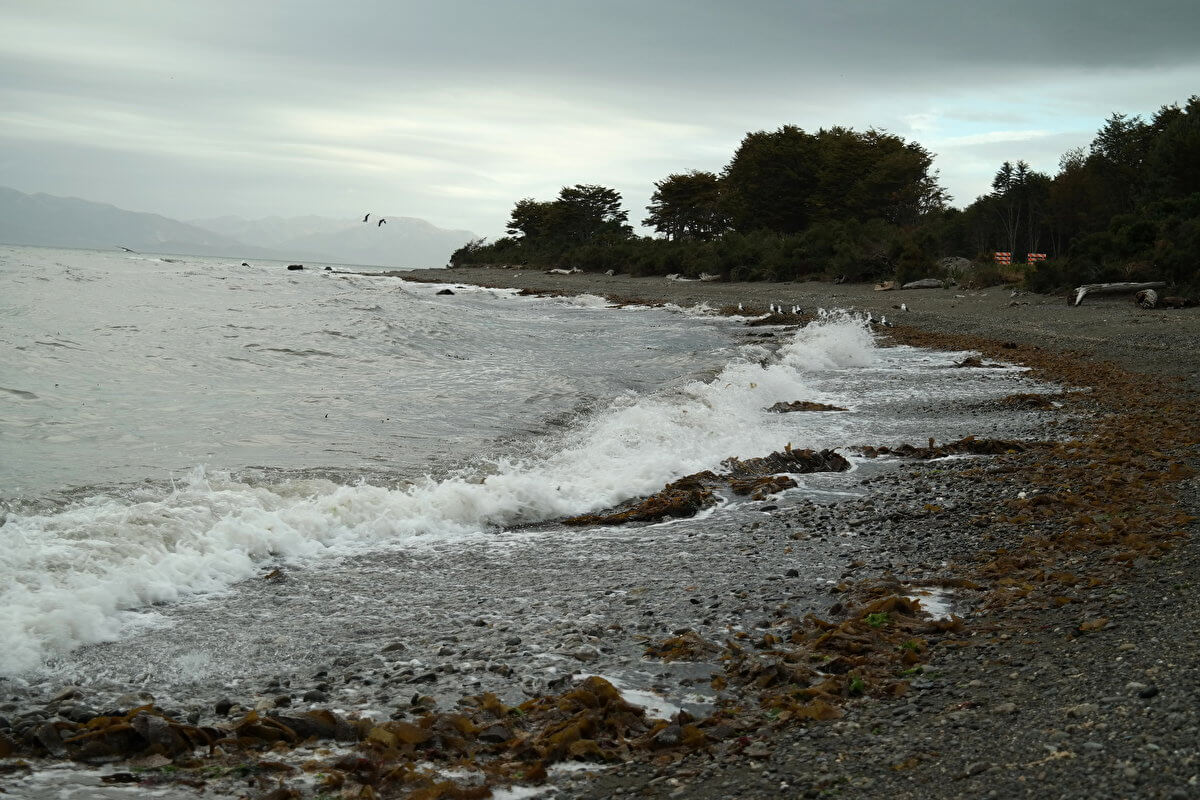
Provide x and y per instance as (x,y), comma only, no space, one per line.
(451,110)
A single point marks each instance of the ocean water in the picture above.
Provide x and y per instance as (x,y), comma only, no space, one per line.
(173,426)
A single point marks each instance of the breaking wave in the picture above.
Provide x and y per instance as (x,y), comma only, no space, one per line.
(80,575)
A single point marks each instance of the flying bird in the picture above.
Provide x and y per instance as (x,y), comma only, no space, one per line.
(365,216)
(381,221)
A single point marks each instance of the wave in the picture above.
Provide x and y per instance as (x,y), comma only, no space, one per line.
(73,577)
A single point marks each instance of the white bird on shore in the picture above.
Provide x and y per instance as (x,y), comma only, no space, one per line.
(739,306)
(883,322)
(904,307)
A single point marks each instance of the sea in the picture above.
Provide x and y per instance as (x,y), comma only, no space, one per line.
(175,428)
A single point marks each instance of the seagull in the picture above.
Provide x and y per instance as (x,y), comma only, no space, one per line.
(904,307)
(381,221)
(365,216)
(739,306)
(126,249)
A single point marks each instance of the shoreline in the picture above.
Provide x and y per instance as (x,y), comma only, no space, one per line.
(1110,328)
(1035,693)
(1088,691)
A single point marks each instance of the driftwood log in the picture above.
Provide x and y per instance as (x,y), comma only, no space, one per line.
(1110,288)
(924,283)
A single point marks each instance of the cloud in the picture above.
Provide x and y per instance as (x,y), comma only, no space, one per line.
(452,111)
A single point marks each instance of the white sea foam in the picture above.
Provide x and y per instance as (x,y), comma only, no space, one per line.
(75,576)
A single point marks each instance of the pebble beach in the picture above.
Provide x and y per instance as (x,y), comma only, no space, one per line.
(1021,623)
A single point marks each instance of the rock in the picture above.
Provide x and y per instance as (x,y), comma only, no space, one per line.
(1148,692)
(1004,708)
(46,734)
(586,654)
(494,734)
(757,750)
(394,647)
(78,713)
(244,264)
(445,291)
(222,706)
(1081,710)
(792,573)
(512,641)
(954,264)
(315,696)
(295,266)
(161,734)
(66,693)
(670,736)
(283,701)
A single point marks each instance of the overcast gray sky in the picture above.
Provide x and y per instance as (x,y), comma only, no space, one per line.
(451,110)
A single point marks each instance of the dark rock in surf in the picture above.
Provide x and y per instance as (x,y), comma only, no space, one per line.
(295,266)
(445,291)
(802,405)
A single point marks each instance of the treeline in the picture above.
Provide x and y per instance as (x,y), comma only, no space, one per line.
(867,205)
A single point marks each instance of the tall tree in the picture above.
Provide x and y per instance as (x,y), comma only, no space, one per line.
(580,214)
(687,206)
(786,180)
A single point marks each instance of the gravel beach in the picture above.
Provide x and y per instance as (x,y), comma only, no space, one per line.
(1054,652)
(1031,704)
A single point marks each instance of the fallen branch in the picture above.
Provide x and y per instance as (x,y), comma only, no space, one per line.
(1110,288)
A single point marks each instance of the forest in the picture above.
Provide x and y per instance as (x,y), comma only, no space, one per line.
(867,205)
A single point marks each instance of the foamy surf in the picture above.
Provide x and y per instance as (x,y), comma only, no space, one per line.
(73,577)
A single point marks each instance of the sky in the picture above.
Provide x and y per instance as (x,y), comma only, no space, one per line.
(452,110)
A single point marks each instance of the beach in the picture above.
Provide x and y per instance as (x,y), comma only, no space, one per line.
(1004,616)
(1091,695)
(1109,328)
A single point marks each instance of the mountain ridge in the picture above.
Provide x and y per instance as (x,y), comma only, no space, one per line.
(53,221)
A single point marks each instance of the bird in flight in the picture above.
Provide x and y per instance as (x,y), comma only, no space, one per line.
(381,221)
(365,217)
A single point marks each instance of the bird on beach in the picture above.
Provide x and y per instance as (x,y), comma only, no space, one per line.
(381,221)
(366,217)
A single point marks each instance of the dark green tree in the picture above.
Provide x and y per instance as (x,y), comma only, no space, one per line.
(687,206)
(786,180)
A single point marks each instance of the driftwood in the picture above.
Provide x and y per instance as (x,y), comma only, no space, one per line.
(924,283)
(1148,298)
(1110,288)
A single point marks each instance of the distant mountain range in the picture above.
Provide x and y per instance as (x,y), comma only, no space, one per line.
(49,221)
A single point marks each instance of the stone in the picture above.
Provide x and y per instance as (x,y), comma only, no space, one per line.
(66,693)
